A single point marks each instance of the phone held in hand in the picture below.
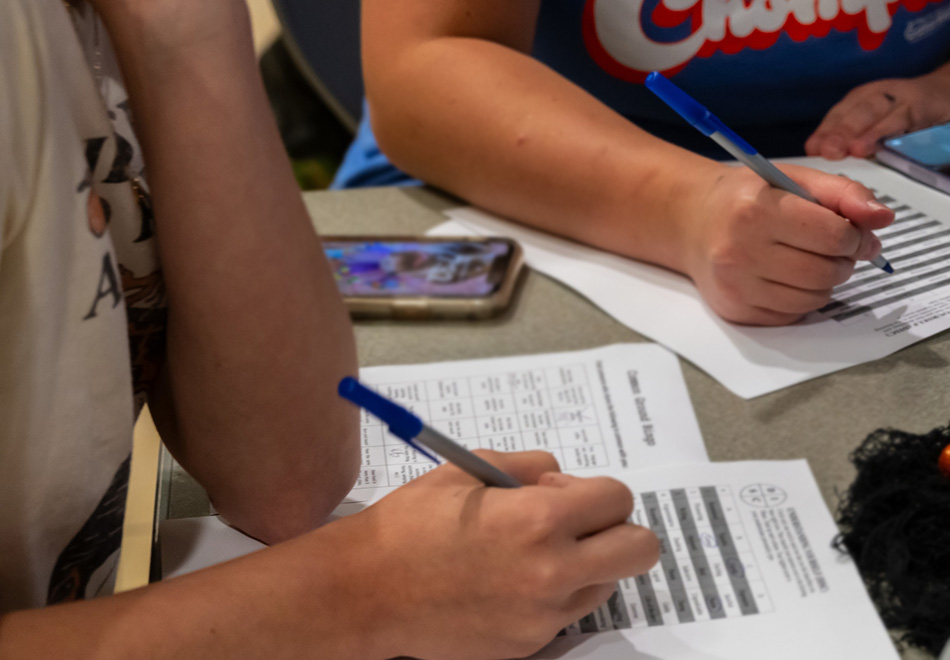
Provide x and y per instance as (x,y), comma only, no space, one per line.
(923,155)
(404,277)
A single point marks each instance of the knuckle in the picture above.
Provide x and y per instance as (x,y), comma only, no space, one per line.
(544,520)
(822,274)
(725,255)
(842,238)
(728,303)
(844,271)
(730,292)
(544,578)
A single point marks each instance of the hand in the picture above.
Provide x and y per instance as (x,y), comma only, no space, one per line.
(762,256)
(454,570)
(878,109)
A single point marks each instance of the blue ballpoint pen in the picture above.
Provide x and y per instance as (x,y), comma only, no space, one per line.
(710,125)
(410,429)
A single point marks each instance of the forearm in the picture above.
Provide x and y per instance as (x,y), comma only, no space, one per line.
(257,335)
(281,603)
(517,138)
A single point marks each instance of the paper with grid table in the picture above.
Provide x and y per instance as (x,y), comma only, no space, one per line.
(871,315)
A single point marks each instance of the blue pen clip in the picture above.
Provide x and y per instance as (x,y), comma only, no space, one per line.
(402,423)
(689,109)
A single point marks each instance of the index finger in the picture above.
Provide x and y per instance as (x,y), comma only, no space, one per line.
(809,227)
(853,201)
(843,196)
(525,466)
(590,505)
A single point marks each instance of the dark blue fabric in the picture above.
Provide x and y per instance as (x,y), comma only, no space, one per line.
(772,94)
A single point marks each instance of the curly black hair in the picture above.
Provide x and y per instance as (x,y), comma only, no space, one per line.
(895,523)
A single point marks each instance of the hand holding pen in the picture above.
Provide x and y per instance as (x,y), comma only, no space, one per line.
(758,255)
(503,568)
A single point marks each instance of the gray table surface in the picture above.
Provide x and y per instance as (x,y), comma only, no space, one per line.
(821,420)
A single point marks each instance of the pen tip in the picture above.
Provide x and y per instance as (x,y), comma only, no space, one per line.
(888,268)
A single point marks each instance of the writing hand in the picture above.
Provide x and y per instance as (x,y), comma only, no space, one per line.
(761,256)
(877,109)
(457,570)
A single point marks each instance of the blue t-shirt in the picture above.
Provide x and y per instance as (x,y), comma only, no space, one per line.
(770,69)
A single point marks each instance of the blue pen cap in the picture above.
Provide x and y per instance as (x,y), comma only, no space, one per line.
(689,109)
(401,422)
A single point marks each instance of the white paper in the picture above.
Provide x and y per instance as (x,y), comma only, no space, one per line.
(747,572)
(753,361)
(615,407)
(606,408)
(189,544)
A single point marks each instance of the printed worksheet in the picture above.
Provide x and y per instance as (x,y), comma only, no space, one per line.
(746,572)
(615,407)
(872,315)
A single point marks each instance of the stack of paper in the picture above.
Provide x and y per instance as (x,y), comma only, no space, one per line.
(747,569)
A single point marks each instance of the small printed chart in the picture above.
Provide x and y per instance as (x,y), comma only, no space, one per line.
(707,569)
(549,408)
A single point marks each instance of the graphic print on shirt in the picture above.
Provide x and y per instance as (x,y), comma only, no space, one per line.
(144,295)
(631,38)
(118,204)
(98,540)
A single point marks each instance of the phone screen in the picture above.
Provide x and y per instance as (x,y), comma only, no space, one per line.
(930,147)
(445,268)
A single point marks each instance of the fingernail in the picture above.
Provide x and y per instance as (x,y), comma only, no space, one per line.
(874,248)
(833,151)
(877,206)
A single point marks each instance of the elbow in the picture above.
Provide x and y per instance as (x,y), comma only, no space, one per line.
(297,493)
(393,132)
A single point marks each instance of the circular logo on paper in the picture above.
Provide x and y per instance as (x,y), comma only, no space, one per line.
(763,496)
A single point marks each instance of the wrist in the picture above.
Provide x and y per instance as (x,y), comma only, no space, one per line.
(353,577)
(680,185)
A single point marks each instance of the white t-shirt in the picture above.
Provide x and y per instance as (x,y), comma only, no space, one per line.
(75,242)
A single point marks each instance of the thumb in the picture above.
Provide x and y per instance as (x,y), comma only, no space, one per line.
(848,199)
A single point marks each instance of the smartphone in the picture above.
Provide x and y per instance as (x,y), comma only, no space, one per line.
(923,155)
(404,277)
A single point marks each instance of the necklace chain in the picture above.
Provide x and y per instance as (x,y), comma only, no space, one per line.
(75,9)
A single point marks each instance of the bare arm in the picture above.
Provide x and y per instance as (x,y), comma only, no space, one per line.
(456,100)
(442,568)
(257,336)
